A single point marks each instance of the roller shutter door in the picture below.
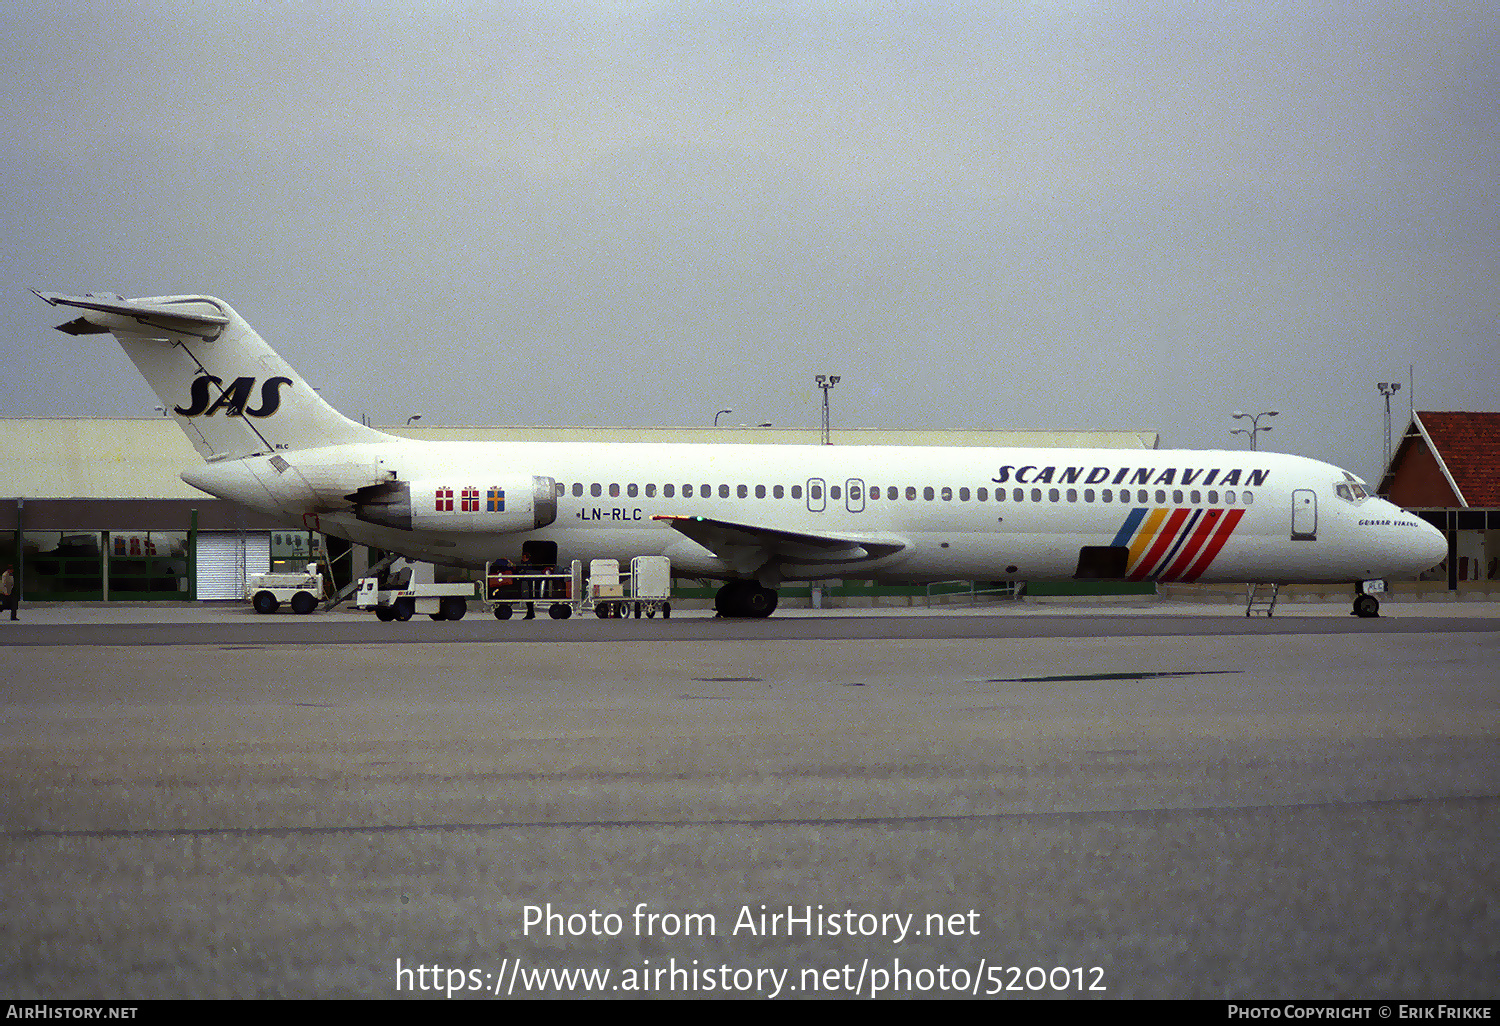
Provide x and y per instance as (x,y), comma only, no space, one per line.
(226,558)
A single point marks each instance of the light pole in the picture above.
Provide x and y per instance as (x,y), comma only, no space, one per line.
(414,416)
(720,414)
(1255,427)
(826,382)
(1388,389)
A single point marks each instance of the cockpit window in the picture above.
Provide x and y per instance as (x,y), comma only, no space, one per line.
(1351,491)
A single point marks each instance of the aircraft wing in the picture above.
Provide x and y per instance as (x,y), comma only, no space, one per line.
(102,313)
(748,548)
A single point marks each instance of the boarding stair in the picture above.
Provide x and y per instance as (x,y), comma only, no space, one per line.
(1261,598)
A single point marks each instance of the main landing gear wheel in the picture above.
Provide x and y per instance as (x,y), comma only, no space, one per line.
(745,599)
(1366,606)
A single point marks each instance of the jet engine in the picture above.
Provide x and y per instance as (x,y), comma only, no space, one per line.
(495,506)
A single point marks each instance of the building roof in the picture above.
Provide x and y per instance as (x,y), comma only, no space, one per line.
(141,458)
(1446,459)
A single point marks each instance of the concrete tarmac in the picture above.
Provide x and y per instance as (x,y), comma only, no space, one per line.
(1206,814)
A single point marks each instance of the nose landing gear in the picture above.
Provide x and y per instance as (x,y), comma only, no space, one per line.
(1366,606)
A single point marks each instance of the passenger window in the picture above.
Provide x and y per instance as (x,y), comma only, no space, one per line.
(1036,495)
(760,491)
(984,494)
(963,495)
(1229,497)
(874,492)
(723,491)
(947,494)
(796,491)
(1019,495)
(651,491)
(562,489)
(1213,498)
(1072,494)
(928,493)
(892,492)
(578,489)
(667,490)
(614,491)
(596,490)
(1161,496)
(778,492)
(1249,498)
(1197,497)
(835,492)
(1088,495)
(632,490)
(687,491)
(1177,497)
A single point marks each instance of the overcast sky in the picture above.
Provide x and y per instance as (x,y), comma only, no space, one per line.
(1024,215)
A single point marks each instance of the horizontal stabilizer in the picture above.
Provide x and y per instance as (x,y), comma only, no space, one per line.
(166,314)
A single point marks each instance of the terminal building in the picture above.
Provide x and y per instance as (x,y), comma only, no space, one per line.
(1447,470)
(94,510)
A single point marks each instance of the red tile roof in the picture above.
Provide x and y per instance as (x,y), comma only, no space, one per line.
(1469,446)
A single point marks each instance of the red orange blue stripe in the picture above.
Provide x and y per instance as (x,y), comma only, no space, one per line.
(1174,544)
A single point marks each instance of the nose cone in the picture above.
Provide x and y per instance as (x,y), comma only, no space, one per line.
(1428,548)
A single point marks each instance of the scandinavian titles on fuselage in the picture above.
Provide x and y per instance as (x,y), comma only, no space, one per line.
(1031,474)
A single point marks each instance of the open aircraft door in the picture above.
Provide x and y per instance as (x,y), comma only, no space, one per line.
(1304,515)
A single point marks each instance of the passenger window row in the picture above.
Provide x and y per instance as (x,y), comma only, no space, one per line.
(1159,496)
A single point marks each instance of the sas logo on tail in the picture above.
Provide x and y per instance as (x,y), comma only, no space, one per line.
(233,400)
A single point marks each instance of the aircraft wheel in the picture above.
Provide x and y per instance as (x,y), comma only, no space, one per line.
(303,603)
(1366,606)
(761,602)
(385,614)
(265,603)
(454,608)
(503,612)
(403,609)
(560,611)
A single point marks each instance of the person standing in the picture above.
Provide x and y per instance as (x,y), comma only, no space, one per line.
(8,594)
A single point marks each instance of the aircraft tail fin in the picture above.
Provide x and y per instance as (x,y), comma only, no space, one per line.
(229,391)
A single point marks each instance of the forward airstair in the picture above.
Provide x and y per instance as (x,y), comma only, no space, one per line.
(1261,598)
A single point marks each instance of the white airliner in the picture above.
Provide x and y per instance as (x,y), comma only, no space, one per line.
(753,516)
